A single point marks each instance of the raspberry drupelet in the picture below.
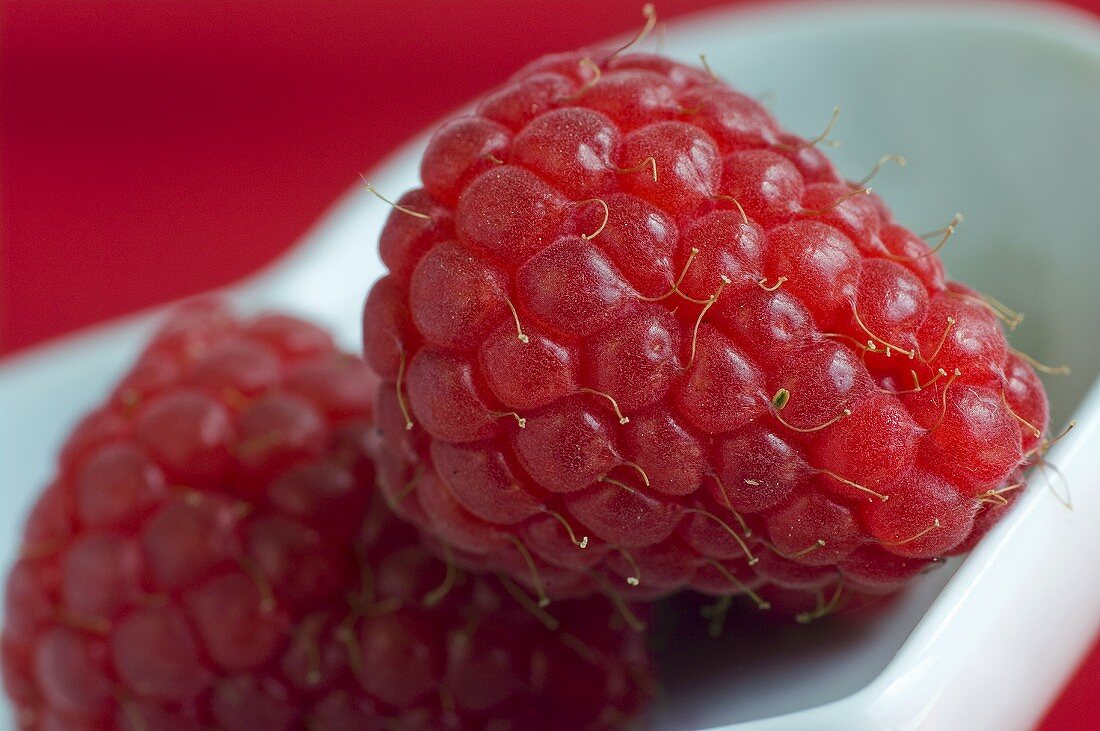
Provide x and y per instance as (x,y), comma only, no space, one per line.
(628,310)
(213,554)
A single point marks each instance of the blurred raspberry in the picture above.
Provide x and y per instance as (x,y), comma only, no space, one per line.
(211,554)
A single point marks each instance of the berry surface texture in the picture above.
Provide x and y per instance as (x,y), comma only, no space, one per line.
(635,337)
(212,555)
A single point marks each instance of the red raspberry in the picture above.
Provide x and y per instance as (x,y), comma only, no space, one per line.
(626,305)
(210,555)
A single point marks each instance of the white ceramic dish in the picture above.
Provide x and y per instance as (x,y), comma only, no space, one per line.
(997,108)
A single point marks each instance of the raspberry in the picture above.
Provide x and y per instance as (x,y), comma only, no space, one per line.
(627,311)
(212,554)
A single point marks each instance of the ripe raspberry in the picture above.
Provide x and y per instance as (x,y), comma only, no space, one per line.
(211,554)
(626,305)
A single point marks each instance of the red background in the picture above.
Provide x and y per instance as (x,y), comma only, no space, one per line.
(153,150)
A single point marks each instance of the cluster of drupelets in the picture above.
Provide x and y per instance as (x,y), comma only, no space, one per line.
(505,457)
(213,554)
